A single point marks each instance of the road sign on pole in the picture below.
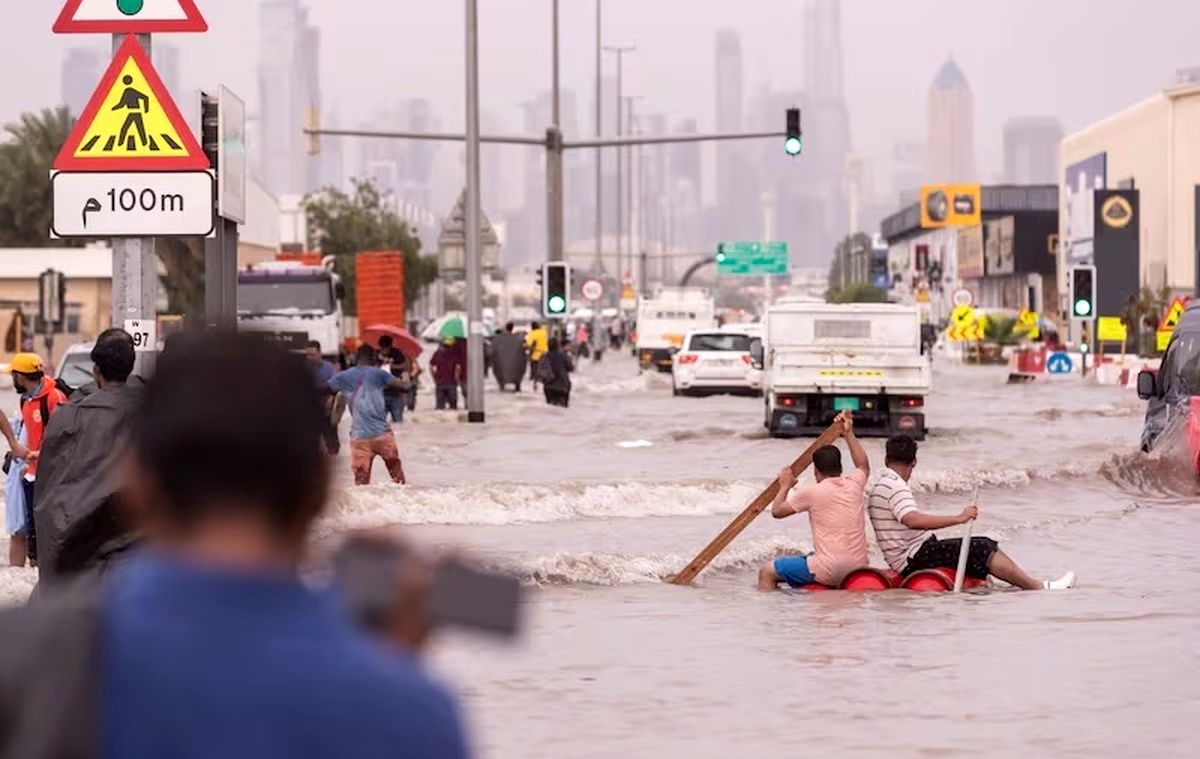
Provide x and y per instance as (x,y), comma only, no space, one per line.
(753,259)
(129,17)
(592,289)
(131,123)
(132,204)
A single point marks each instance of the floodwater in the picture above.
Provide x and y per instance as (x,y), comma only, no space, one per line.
(596,505)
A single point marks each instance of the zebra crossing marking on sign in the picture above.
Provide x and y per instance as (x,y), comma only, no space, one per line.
(131,123)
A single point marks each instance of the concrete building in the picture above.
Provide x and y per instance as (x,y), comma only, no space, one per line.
(1007,262)
(82,68)
(88,272)
(289,87)
(950,142)
(1150,147)
(259,237)
(1031,150)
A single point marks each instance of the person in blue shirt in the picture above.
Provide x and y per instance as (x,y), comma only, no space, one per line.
(322,372)
(370,433)
(209,644)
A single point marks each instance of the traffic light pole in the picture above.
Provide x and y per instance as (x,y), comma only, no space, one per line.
(475,410)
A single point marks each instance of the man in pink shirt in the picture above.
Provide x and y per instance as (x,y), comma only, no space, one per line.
(836,507)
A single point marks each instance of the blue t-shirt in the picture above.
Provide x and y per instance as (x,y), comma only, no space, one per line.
(322,373)
(364,385)
(203,662)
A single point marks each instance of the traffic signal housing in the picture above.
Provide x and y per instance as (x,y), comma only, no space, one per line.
(793,143)
(1083,292)
(556,290)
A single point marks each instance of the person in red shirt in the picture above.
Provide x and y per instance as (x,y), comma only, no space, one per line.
(39,398)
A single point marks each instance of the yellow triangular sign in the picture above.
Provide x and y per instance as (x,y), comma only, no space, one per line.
(131,123)
(1174,314)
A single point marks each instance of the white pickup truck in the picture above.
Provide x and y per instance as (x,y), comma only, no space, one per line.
(819,359)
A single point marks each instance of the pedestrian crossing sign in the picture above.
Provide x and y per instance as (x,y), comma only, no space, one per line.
(131,123)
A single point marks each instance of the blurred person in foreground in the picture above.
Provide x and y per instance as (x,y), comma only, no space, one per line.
(78,522)
(206,643)
(370,434)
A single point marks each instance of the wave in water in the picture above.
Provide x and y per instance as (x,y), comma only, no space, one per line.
(609,569)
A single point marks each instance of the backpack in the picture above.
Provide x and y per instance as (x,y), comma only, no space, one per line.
(61,387)
(545,371)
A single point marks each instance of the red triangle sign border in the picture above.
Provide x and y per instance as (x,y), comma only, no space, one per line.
(196,160)
(193,21)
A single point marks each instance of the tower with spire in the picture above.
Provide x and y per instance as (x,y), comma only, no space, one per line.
(950,136)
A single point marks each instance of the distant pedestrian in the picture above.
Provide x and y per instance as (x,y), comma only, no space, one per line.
(445,366)
(322,372)
(554,372)
(40,398)
(508,349)
(80,525)
(400,366)
(209,643)
(537,342)
(370,434)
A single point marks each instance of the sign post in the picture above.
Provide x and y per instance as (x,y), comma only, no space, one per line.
(131,168)
(753,259)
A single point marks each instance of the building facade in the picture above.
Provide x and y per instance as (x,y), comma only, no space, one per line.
(1150,147)
(1031,150)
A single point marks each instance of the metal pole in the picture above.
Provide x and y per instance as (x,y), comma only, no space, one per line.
(620,273)
(554,160)
(555,113)
(628,215)
(135,269)
(600,135)
(475,412)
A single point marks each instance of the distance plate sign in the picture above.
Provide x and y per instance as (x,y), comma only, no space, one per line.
(132,204)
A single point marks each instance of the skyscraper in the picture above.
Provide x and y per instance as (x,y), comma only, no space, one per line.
(82,68)
(288,69)
(735,206)
(950,144)
(1031,150)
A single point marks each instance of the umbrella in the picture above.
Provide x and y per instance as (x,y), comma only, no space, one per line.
(453,326)
(404,342)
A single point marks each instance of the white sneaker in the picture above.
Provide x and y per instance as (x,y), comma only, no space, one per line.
(1065,582)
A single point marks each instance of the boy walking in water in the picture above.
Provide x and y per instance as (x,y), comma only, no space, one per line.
(905,535)
(836,510)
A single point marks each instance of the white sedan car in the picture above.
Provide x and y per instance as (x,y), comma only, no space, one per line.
(715,361)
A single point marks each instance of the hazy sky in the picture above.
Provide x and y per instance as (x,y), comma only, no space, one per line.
(1075,59)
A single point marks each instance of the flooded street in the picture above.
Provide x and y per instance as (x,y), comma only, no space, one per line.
(595,505)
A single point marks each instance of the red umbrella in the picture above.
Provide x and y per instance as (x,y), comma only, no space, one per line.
(403,341)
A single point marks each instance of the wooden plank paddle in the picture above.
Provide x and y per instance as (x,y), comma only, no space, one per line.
(960,573)
(756,507)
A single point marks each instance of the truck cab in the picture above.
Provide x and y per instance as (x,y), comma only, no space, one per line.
(291,304)
(664,321)
(819,359)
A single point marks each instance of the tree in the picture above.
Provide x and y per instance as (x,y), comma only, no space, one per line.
(25,160)
(343,224)
(858,292)
(841,269)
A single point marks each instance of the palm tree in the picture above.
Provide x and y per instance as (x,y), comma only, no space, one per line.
(28,149)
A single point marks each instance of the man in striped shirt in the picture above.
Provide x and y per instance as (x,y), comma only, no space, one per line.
(905,534)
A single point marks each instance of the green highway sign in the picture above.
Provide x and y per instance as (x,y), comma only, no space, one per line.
(751,259)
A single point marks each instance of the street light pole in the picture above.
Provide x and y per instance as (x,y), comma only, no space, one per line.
(620,52)
(599,135)
(554,155)
(475,411)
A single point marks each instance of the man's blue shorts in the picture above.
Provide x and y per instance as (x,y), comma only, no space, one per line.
(794,571)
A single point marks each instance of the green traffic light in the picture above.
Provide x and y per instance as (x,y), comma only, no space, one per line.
(793,146)
(1083,307)
(557,304)
(130,7)
(720,258)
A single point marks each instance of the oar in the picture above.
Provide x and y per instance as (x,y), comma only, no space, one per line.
(965,548)
(743,520)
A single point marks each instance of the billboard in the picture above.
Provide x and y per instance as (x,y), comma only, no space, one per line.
(1081,181)
(1117,249)
(970,252)
(951,205)
(998,246)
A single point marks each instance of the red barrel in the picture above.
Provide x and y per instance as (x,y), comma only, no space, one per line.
(867,579)
(929,581)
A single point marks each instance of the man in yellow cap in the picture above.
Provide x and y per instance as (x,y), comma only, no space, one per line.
(39,398)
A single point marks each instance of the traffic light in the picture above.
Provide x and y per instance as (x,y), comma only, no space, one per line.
(1083,292)
(556,290)
(794,142)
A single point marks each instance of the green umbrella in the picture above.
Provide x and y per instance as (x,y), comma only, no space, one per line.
(454,326)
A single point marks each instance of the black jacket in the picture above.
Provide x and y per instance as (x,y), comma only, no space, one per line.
(77,523)
(561,364)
